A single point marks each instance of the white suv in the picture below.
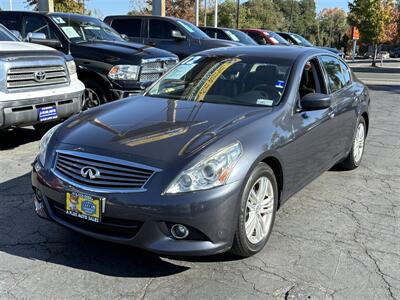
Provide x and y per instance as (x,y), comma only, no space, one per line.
(37,84)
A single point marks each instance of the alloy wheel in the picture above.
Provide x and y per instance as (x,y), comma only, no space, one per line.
(91,99)
(259,208)
(359,142)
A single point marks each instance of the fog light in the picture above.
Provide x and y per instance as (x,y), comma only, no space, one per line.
(39,205)
(179,231)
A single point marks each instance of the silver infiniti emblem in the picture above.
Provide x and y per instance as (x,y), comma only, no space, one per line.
(40,76)
(90,172)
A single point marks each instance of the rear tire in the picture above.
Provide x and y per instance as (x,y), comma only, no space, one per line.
(353,160)
(94,94)
(258,207)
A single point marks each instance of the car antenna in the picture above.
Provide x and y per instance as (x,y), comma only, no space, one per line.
(69,24)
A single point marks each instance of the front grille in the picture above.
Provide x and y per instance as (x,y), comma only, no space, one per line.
(153,69)
(113,174)
(27,77)
(108,226)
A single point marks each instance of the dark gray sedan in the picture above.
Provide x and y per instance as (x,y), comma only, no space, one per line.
(201,162)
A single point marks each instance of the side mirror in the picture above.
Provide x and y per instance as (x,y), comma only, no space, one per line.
(176,34)
(34,36)
(125,37)
(315,101)
(40,38)
(17,34)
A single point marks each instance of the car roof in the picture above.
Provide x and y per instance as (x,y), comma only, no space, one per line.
(141,16)
(256,29)
(223,28)
(278,52)
(47,14)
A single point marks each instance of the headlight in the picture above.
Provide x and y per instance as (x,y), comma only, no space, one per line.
(43,144)
(71,67)
(210,172)
(124,72)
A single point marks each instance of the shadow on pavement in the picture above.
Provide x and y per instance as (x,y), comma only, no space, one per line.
(395,89)
(23,234)
(11,139)
(376,69)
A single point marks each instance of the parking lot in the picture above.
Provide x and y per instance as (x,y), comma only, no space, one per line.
(338,238)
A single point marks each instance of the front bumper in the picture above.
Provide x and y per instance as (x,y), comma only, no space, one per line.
(25,112)
(144,220)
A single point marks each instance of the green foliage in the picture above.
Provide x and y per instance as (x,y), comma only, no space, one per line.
(369,17)
(70,6)
(332,27)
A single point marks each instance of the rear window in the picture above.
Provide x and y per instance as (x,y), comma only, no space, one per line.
(130,27)
(226,80)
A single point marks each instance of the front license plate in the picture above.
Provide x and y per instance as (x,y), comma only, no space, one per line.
(47,113)
(83,206)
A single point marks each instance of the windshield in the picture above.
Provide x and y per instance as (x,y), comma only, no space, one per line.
(302,41)
(86,29)
(195,32)
(226,80)
(6,35)
(241,37)
(276,38)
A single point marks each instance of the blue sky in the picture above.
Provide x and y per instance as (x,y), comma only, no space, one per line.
(108,7)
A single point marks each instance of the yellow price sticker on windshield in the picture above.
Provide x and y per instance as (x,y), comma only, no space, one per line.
(205,88)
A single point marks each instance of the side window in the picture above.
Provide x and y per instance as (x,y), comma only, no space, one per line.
(38,24)
(311,79)
(258,38)
(335,75)
(159,29)
(130,27)
(211,33)
(11,22)
(346,73)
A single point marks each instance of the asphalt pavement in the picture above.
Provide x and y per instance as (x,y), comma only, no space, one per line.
(339,238)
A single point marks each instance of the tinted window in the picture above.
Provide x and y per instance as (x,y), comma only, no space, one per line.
(336,77)
(346,73)
(5,35)
(160,29)
(239,36)
(226,80)
(11,22)
(83,29)
(276,38)
(216,34)
(37,24)
(130,27)
(258,38)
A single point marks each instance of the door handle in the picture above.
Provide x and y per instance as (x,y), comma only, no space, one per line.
(331,113)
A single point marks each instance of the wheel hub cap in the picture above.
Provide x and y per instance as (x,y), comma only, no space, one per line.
(259,207)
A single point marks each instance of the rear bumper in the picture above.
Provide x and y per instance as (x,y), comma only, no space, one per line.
(25,112)
(146,218)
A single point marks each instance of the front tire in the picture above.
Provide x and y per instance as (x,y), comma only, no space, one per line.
(353,160)
(257,212)
(94,94)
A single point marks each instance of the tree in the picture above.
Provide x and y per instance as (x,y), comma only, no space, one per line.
(183,9)
(333,27)
(70,6)
(262,14)
(370,18)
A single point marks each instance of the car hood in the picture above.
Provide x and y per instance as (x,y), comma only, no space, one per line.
(153,130)
(127,48)
(6,46)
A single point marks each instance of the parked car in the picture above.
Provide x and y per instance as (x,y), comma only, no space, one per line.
(395,53)
(383,55)
(298,40)
(38,84)
(175,35)
(202,161)
(110,67)
(228,34)
(265,37)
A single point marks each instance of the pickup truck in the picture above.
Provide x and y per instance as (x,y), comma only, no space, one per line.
(172,34)
(38,85)
(110,67)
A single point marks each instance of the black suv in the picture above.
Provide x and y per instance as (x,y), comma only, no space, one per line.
(110,67)
(172,34)
(228,34)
